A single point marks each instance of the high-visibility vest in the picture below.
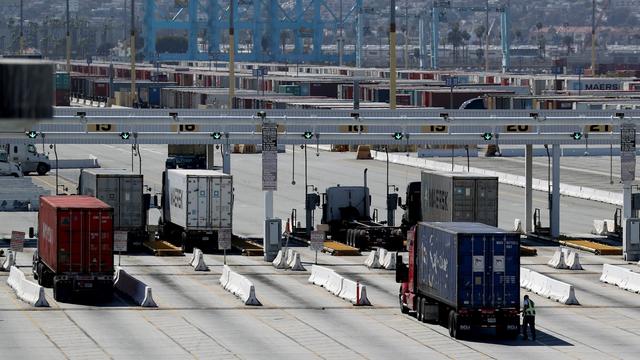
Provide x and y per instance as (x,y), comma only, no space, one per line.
(530,309)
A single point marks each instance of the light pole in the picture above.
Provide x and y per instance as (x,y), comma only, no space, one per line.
(133,54)
(486,39)
(21,29)
(232,70)
(68,41)
(392,56)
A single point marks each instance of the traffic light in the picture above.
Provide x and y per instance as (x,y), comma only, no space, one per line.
(216,135)
(125,135)
(487,136)
(576,135)
(307,135)
(32,134)
(398,136)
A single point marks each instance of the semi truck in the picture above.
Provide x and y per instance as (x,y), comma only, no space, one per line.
(124,191)
(186,157)
(346,209)
(8,167)
(75,247)
(463,275)
(29,158)
(451,196)
(196,206)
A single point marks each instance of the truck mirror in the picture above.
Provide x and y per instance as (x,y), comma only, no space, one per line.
(146,201)
(155,201)
(399,201)
(31,232)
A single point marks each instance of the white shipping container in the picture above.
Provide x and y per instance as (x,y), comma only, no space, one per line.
(200,200)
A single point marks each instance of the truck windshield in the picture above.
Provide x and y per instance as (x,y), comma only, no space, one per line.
(3,156)
(31,149)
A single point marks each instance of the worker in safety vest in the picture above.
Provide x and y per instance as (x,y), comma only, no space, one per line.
(528,317)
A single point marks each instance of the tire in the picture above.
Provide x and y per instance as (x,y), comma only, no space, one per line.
(453,325)
(423,303)
(185,244)
(419,312)
(403,309)
(42,169)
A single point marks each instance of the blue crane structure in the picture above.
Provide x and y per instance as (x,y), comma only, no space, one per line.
(262,28)
(438,14)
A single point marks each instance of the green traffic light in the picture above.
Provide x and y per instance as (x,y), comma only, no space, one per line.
(576,135)
(487,136)
(32,134)
(216,135)
(125,135)
(398,135)
(307,135)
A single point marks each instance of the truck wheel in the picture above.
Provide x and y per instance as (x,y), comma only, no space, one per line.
(60,291)
(42,169)
(403,309)
(419,313)
(453,324)
(186,244)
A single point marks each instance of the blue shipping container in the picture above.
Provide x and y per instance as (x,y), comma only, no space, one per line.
(154,96)
(468,265)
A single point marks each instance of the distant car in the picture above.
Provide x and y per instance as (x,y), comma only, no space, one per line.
(8,168)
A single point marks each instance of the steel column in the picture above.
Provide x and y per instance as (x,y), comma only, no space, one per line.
(555,192)
(528,190)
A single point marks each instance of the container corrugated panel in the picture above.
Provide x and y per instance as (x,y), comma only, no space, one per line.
(451,196)
(120,189)
(200,199)
(75,234)
(469,265)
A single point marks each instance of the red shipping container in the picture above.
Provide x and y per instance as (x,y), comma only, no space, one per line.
(75,234)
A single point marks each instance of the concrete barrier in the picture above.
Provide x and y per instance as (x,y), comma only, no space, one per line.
(621,277)
(320,275)
(353,292)
(389,261)
(557,261)
(572,259)
(600,227)
(547,287)
(239,286)
(26,290)
(288,260)
(197,260)
(336,284)
(372,261)
(294,262)
(9,261)
(280,262)
(133,288)
(517,226)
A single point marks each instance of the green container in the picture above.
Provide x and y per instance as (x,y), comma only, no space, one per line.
(289,89)
(63,81)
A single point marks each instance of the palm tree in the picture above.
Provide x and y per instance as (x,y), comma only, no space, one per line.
(454,37)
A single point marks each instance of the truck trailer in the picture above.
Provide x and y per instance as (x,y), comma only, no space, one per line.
(75,247)
(124,191)
(196,206)
(463,275)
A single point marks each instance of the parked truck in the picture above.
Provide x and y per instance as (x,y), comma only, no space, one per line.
(346,209)
(29,158)
(196,206)
(124,191)
(75,247)
(464,275)
(186,157)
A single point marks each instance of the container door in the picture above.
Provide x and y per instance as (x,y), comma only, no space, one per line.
(226,202)
(499,288)
(76,246)
(463,199)
(216,205)
(192,201)
(107,190)
(475,291)
(64,239)
(97,249)
(487,202)
(130,204)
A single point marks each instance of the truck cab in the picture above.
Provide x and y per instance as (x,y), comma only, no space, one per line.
(7,167)
(29,158)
